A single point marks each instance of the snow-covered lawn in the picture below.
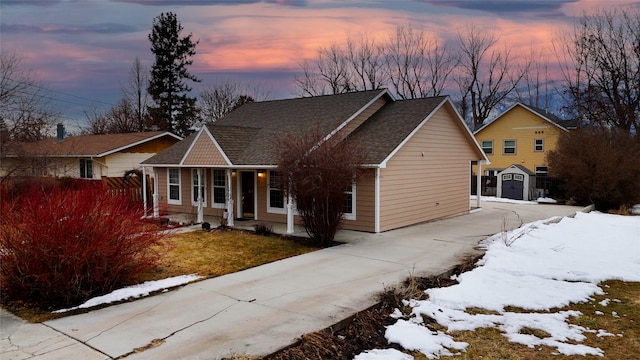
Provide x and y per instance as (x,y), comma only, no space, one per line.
(538,267)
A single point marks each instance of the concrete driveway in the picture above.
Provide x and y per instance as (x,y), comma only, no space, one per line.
(258,311)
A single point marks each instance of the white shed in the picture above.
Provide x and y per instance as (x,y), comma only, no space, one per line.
(516,182)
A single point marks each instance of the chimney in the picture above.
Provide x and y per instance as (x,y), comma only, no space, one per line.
(60,131)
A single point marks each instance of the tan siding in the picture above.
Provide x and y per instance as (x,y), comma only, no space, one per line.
(358,120)
(204,152)
(119,163)
(429,177)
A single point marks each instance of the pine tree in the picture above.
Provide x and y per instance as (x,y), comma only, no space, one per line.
(174,109)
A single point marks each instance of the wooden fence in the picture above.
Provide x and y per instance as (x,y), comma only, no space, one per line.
(129,187)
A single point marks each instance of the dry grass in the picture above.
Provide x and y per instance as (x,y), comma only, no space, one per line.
(208,254)
(216,253)
(492,344)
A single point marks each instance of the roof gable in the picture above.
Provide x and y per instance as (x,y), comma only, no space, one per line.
(563,125)
(204,150)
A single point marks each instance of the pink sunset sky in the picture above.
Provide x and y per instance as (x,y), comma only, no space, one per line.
(82,49)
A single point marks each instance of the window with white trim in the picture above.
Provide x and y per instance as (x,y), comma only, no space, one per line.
(275,196)
(219,188)
(173,187)
(509,147)
(86,168)
(198,185)
(539,145)
(350,203)
(487,147)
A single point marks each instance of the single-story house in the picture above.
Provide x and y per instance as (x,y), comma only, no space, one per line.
(418,160)
(85,156)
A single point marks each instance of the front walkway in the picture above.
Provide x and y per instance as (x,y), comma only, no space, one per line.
(260,310)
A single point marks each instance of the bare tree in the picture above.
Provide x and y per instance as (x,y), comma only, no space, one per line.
(119,119)
(602,70)
(417,65)
(316,174)
(536,86)
(225,95)
(25,109)
(486,76)
(135,92)
(366,60)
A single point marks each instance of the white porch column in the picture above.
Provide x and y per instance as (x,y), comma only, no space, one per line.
(479,184)
(144,190)
(156,205)
(229,204)
(290,214)
(200,216)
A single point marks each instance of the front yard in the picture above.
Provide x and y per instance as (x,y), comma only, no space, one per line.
(207,254)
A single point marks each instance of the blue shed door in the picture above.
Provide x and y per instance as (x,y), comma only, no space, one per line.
(513,186)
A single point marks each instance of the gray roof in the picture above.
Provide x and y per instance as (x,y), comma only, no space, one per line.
(248,134)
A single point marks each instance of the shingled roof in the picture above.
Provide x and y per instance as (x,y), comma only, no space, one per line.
(247,134)
(90,145)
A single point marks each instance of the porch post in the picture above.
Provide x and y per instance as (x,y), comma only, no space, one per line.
(289,214)
(200,216)
(156,206)
(144,190)
(229,199)
(479,184)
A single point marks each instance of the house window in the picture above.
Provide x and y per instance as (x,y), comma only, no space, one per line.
(539,145)
(509,147)
(86,168)
(198,185)
(276,196)
(219,188)
(487,146)
(542,170)
(350,203)
(173,184)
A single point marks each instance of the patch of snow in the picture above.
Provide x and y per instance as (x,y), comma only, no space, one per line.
(635,209)
(552,264)
(615,314)
(604,302)
(602,333)
(415,337)
(502,200)
(598,312)
(546,200)
(386,354)
(135,291)
(396,314)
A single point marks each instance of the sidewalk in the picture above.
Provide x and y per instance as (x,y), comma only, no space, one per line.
(260,310)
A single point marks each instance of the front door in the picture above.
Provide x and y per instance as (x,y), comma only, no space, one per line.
(248,185)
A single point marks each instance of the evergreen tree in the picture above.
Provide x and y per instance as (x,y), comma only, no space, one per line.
(174,110)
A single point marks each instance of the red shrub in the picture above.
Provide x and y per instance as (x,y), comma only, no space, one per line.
(59,248)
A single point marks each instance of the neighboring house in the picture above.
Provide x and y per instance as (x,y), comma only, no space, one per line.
(418,160)
(86,156)
(522,136)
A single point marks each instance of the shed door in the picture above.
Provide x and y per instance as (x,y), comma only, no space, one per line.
(513,186)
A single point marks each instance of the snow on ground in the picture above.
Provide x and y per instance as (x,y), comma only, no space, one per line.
(540,266)
(503,200)
(135,291)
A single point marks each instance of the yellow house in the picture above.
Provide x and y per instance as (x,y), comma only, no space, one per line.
(522,136)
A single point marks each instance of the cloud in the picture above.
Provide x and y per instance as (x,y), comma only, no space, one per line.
(105,28)
(42,3)
(504,7)
(211,2)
